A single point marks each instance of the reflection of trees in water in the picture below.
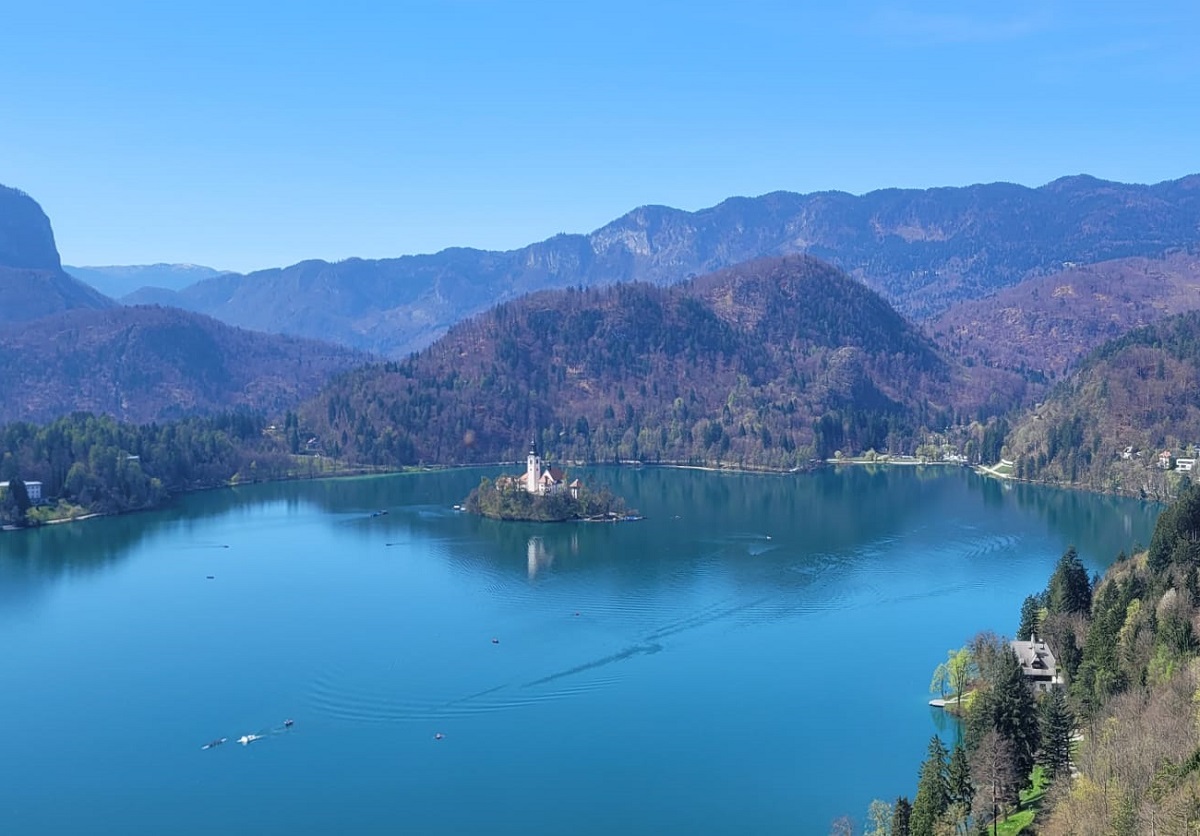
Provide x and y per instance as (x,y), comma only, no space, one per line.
(1105,524)
(35,557)
(692,517)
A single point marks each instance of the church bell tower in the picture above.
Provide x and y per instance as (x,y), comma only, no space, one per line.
(533,469)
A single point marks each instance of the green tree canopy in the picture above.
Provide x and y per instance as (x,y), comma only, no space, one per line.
(933,790)
(1056,726)
(1176,536)
(1031,617)
(1070,590)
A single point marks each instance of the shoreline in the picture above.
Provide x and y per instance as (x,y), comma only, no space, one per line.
(382,470)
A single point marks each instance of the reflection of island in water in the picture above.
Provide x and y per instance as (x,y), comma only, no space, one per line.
(540,557)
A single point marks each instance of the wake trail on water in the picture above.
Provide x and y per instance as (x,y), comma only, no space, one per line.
(337,694)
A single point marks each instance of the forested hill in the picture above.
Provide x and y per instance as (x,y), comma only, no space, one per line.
(32,283)
(1139,391)
(770,363)
(922,249)
(1043,326)
(148,364)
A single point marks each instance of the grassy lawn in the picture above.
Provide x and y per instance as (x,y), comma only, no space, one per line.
(1031,802)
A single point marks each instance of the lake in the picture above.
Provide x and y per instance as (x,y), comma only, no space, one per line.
(754,657)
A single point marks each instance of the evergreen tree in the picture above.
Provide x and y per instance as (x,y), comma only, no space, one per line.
(1031,615)
(1100,675)
(1014,716)
(1070,590)
(14,500)
(959,774)
(901,817)
(962,791)
(1176,536)
(933,790)
(1057,724)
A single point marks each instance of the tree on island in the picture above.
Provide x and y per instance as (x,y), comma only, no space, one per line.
(507,501)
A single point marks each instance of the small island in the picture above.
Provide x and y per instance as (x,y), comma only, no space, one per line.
(542,494)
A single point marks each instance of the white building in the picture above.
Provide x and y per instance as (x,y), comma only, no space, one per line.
(32,489)
(539,479)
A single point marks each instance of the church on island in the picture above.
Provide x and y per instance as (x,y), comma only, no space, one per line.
(540,480)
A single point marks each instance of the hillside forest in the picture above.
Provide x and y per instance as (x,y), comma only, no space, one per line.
(1111,750)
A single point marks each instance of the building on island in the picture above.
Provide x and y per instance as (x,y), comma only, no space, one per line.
(32,489)
(1037,663)
(539,479)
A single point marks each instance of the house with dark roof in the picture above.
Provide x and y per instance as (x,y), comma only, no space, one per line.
(1037,663)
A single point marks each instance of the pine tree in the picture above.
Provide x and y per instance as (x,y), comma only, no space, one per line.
(959,774)
(1057,724)
(1014,715)
(1031,615)
(901,817)
(933,790)
(14,500)
(1070,590)
(962,791)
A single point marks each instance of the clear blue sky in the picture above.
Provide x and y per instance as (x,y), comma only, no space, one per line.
(244,136)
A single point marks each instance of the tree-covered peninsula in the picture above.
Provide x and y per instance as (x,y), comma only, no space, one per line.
(1095,730)
(89,464)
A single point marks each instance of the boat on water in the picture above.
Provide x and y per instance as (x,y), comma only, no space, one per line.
(247,739)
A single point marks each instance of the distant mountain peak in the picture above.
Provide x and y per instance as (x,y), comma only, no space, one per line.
(26,238)
(32,282)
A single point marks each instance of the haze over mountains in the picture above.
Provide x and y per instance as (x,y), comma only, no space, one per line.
(65,347)
(923,250)
(144,364)
(121,281)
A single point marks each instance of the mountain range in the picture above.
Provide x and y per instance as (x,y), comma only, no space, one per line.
(769,363)
(65,347)
(923,250)
(119,281)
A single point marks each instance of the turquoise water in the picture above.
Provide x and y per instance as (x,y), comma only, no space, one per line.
(752,658)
